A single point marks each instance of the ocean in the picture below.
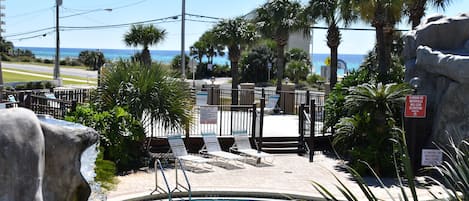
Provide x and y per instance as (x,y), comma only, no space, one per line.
(352,61)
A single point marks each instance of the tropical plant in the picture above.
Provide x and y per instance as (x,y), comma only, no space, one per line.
(454,171)
(176,64)
(415,9)
(276,19)
(254,65)
(403,171)
(383,15)
(149,94)
(297,70)
(92,59)
(365,136)
(235,34)
(333,12)
(144,35)
(121,134)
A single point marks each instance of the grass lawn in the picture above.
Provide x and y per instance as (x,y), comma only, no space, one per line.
(50,74)
(48,65)
(14,77)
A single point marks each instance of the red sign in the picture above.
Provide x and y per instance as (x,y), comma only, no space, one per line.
(415,106)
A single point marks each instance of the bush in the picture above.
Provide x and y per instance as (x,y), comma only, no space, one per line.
(48,61)
(177,66)
(92,59)
(254,65)
(121,134)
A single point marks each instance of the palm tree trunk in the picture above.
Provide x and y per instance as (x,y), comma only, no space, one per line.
(280,65)
(417,11)
(334,59)
(234,82)
(146,57)
(381,51)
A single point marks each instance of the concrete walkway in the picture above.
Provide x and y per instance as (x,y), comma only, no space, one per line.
(289,175)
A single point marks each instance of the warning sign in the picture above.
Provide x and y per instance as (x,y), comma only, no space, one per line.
(415,106)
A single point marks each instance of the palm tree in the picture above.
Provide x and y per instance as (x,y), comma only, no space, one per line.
(383,15)
(149,94)
(332,12)
(277,19)
(235,34)
(144,35)
(213,48)
(198,50)
(415,9)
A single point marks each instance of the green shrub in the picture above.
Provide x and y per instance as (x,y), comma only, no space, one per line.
(121,134)
(48,61)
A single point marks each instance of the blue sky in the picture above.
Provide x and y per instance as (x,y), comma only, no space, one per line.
(30,15)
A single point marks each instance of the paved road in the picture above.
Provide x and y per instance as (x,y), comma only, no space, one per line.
(45,69)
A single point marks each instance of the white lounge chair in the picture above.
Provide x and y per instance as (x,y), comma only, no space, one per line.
(243,146)
(271,106)
(179,151)
(212,148)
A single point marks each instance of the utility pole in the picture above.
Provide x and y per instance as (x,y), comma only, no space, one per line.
(1,38)
(57,44)
(183,30)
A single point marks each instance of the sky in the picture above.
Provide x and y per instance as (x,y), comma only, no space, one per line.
(25,16)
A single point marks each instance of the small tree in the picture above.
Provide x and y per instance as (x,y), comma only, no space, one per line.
(144,35)
(235,34)
(92,59)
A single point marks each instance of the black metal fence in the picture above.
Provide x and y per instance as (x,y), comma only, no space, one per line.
(289,101)
(219,119)
(56,103)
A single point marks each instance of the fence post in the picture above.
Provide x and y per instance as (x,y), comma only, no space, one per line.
(307,97)
(301,129)
(312,112)
(254,117)
(263,93)
(261,126)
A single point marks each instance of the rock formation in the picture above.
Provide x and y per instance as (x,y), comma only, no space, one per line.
(40,161)
(438,53)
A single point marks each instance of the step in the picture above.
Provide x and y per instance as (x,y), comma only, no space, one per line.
(289,144)
(288,150)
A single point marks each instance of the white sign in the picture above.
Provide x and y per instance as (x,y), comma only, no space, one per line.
(208,115)
(431,157)
(201,98)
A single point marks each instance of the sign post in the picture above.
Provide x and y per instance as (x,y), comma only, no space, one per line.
(415,108)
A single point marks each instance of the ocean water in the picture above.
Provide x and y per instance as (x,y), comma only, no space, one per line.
(352,61)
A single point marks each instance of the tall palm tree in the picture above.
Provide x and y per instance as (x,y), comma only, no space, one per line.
(198,50)
(235,34)
(213,48)
(382,15)
(144,35)
(332,12)
(277,19)
(415,9)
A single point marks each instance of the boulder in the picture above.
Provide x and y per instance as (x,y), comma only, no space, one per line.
(438,53)
(41,161)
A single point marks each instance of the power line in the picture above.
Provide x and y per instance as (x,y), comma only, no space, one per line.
(94,10)
(204,16)
(30,32)
(30,12)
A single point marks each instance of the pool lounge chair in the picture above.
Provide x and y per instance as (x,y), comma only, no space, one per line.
(271,106)
(179,151)
(212,148)
(243,146)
